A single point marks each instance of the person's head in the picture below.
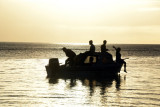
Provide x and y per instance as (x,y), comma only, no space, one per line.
(64,49)
(90,42)
(104,42)
(91,60)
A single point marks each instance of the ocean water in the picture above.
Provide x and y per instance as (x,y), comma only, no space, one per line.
(23,79)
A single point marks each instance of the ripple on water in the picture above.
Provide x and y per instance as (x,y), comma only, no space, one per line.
(23,83)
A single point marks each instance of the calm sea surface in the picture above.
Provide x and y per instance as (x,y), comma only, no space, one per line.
(23,79)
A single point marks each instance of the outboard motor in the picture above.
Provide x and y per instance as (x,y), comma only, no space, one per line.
(54,63)
(53,67)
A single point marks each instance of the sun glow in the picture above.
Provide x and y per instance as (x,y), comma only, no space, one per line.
(58,21)
(73,43)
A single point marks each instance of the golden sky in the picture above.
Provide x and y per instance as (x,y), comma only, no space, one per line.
(78,21)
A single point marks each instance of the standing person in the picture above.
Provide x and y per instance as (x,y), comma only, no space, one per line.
(118,57)
(92,47)
(70,54)
(103,46)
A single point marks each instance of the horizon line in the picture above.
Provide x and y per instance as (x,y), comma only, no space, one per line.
(79,43)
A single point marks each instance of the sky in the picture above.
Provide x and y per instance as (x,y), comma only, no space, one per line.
(78,21)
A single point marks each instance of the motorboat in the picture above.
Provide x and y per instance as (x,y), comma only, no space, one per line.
(99,67)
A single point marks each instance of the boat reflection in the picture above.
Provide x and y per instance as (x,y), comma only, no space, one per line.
(92,83)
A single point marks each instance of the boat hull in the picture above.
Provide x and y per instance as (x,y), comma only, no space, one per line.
(84,71)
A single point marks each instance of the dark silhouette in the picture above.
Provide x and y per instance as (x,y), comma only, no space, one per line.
(79,60)
(105,56)
(91,60)
(103,46)
(71,55)
(92,83)
(92,47)
(118,57)
(80,65)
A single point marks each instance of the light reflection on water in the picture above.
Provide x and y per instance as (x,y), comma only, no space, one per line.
(23,81)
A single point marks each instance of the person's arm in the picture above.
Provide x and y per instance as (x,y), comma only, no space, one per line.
(114,47)
(107,49)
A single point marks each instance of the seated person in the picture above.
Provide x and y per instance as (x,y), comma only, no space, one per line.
(92,47)
(118,57)
(91,50)
(103,46)
(105,56)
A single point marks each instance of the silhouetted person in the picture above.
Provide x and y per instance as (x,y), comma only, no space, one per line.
(118,57)
(70,54)
(106,57)
(103,46)
(92,47)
